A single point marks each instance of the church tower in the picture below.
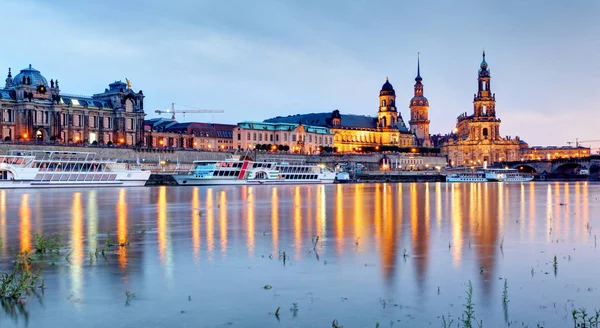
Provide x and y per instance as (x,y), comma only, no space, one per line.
(419,112)
(484,106)
(387,117)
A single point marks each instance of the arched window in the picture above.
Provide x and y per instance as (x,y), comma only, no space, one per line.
(383,103)
(129,105)
(485,133)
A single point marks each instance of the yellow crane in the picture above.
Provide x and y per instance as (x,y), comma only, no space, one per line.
(173,111)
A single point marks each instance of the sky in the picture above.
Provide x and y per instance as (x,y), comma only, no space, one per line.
(260,59)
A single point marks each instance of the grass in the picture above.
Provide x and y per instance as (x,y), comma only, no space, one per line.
(581,319)
(294,309)
(46,244)
(505,293)
(13,285)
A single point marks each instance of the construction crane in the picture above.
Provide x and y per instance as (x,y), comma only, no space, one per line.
(184,111)
(579,142)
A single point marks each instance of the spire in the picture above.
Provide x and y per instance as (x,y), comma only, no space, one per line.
(483,62)
(386,78)
(9,72)
(418,78)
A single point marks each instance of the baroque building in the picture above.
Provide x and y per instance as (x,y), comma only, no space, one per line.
(299,138)
(476,138)
(31,109)
(352,132)
(419,112)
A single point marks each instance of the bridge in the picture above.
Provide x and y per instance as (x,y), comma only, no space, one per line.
(563,166)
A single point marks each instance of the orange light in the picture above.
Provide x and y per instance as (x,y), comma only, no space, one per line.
(195,143)
(122,140)
(160,142)
(25,136)
(376,147)
(77,138)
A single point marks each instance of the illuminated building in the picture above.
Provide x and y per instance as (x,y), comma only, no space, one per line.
(419,113)
(33,110)
(553,152)
(168,133)
(476,138)
(352,132)
(298,138)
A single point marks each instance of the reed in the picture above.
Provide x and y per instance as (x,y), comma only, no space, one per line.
(46,244)
(505,293)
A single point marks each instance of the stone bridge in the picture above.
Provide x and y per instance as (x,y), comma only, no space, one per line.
(558,166)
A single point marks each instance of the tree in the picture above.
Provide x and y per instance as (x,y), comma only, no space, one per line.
(280,147)
(286,148)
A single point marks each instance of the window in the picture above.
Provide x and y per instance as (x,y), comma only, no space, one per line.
(485,133)
(271,137)
(276,137)
(260,137)
(248,136)
(293,137)
(383,103)
(46,115)
(254,136)
(285,137)
(240,136)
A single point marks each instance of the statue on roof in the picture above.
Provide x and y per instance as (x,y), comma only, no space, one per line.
(52,83)
(128,83)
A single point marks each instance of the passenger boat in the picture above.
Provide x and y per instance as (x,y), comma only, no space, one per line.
(507,175)
(47,169)
(236,171)
(470,176)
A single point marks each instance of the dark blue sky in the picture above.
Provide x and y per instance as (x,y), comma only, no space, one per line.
(258,59)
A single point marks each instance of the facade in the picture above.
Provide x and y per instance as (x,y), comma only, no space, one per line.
(553,152)
(31,109)
(167,133)
(476,139)
(419,113)
(300,138)
(352,132)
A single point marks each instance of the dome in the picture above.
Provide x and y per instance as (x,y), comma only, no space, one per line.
(33,74)
(484,64)
(419,101)
(387,88)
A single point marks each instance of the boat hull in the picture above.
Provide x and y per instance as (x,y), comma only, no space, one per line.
(184,180)
(21,184)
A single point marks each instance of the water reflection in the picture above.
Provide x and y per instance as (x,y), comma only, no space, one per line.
(449,231)
(122,235)
(25,224)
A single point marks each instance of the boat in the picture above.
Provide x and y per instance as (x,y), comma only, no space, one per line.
(49,169)
(507,175)
(237,171)
(467,176)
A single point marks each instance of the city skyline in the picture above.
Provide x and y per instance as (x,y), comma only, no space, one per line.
(263,60)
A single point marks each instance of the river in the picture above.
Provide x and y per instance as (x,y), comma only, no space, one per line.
(397,255)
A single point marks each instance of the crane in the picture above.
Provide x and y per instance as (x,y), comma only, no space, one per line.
(579,142)
(191,110)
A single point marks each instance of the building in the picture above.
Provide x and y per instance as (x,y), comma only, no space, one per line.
(300,138)
(352,132)
(168,133)
(419,113)
(553,152)
(476,138)
(31,109)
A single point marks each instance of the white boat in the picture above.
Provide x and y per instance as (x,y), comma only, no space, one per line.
(235,171)
(507,175)
(49,169)
(470,176)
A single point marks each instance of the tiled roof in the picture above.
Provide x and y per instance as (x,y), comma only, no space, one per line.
(283,127)
(324,119)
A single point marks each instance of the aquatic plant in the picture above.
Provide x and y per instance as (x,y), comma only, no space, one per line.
(1,244)
(277,312)
(294,309)
(267,287)
(46,244)
(555,263)
(582,320)
(13,285)
(335,324)
(505,293)
(128,296)
(315,241)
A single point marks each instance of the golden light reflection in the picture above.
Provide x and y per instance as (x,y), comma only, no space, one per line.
(378,214)
(501,196)
(456,218)
(321,209)
(196,225)
(25,224)
(122,227)
(522,211)
(339,219)
(532,202)
(297,221)
(251,223)
(275,219)
(162,223)
(210,223)
(3,219)
(548,211)
(359,214)
(223,222)
(586,206)
(76,258)
(390,244)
